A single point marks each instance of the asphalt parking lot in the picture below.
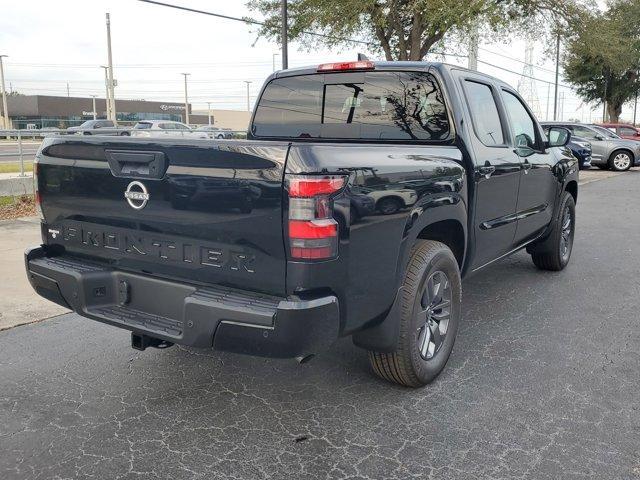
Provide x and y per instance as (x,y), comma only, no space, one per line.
(543,383)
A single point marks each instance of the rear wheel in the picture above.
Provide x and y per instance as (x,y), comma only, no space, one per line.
(554,253)
(388,206)
(124,134)
(429,317)
(620,161)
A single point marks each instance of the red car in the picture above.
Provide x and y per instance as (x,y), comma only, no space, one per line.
(623,130)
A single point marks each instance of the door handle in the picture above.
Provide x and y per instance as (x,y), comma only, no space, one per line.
(487,170)
(526,166)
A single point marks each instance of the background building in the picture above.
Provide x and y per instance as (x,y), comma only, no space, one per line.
(43,111)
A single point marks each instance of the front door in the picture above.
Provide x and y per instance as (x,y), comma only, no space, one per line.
(538,185)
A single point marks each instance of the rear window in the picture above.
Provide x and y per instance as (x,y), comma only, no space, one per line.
(359,105)
(142,126)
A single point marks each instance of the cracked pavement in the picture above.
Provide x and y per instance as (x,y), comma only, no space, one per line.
(543,383)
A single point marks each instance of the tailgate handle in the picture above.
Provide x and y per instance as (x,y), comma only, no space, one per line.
(137,163)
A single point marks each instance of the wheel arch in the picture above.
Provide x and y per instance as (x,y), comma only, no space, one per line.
(451,233)
(572,188)
(626,150)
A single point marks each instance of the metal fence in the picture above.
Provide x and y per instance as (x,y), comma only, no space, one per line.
(16,143)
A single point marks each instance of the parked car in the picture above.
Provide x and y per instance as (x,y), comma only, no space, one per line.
(283,277)
(623,130)
(608,151)
(98,127)
(580,148)
(165,129)
(216,132)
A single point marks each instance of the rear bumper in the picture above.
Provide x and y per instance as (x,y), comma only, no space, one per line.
(219,317)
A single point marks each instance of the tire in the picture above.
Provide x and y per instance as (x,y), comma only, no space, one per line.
(554,253)
(124,134)
(620,161)
(421,355)
(389,206)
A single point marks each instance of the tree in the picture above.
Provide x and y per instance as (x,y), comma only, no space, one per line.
(603,57)
(403,29)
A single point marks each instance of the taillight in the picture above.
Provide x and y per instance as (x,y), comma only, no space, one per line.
(339,66)
(313,233)
(36,191)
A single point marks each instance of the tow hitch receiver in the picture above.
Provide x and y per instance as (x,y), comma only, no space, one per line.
(141,342)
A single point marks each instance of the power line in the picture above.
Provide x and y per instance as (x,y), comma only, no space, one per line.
(527,76)
(249,21)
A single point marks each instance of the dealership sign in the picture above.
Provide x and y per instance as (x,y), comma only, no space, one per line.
(171,107)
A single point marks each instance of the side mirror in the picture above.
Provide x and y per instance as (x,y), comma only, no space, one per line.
(96,126)
(598,137)
(558,137)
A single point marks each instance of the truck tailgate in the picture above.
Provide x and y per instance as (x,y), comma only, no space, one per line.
(203,211)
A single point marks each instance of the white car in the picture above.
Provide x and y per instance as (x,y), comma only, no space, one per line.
(165,129)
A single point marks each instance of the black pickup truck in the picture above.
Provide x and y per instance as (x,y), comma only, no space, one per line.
(363,194)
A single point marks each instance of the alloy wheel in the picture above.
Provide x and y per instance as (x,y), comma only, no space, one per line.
(622,161)
(565,237)
(433,312)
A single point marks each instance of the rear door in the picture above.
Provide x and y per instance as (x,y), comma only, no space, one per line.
(497,171)
(192,210)
(599,145)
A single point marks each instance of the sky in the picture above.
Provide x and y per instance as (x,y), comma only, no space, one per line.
(54,43)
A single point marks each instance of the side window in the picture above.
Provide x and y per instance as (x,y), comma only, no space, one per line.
(523,126)
(628,132)
(484,113)
(584,132)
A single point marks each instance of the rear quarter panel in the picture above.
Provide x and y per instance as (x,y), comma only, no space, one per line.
(374,248)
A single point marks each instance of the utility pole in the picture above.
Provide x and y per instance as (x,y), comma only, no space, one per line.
(110,64)
(186,99)
(95,113)
(635,109)
(604,101)
(546,117)
(473,49)
(555,95)
(248,101)
(274,61)
(68,90)
(284,34)
(106,95)
(5,112)
(209,112)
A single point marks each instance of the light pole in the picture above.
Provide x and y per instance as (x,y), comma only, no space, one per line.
(209,112)
(555,94)
(248,82)
(5,112)
(111,84)
(284,34)
(186,99)
(106,93)
(95,114)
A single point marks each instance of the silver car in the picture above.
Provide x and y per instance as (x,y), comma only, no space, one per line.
(609,151)
(98,127)
(165,129)
(216,132)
